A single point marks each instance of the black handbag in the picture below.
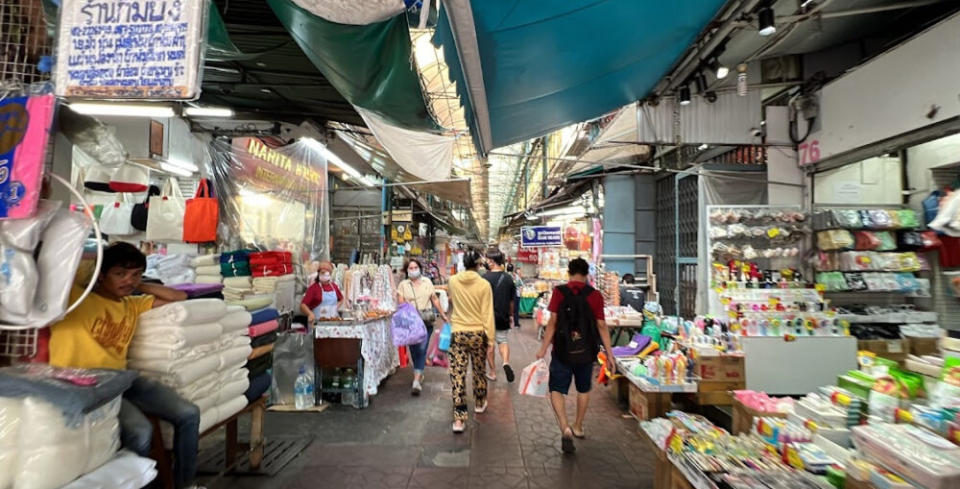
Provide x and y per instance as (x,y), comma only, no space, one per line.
(138,218)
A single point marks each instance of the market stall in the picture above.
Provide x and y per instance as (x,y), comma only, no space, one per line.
(353,357)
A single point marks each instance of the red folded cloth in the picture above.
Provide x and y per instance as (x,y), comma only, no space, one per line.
(268,257)
(271,270)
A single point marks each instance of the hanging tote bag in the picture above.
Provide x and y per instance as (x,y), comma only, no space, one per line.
(165,220)
(115,219)
(138,218)
(201,216)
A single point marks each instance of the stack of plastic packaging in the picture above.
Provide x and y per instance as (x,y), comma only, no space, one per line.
(175,268)
(198,348)
(263,337)
(57,424)
(271,263)
(208,269)
(36,254)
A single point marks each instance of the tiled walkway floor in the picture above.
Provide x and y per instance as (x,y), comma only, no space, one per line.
(406,442)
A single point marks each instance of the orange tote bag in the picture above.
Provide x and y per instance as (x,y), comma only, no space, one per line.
(201,216)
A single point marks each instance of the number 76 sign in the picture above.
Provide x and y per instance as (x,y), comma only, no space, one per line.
(809,152)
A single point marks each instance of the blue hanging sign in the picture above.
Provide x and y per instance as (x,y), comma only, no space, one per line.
(540,236)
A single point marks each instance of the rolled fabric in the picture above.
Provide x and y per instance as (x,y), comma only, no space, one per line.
(198,311)
(261,351)
(227,409)
(263,339)
(231,390)
(242,283)
(236,320)
(149,351)
(208,270)
(235,256)
(263,328)
(239,339)
(264,315)
(235,269)
(200,387)
(177,374)
(206,260)
(256,302)
(259,385)
(207,402)
(234,356)
(260,365)
(173,336)
(209,279)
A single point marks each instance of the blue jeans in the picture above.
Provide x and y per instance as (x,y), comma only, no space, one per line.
(150,398)
(419,352)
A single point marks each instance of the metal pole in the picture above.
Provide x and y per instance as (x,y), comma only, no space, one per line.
(676,244)
(543,182)
(383,226)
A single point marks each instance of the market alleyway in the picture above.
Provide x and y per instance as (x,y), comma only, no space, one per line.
(401,441)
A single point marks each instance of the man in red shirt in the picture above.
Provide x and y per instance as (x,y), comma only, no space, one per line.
(576,326)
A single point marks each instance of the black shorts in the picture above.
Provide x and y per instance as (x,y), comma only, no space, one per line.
(561,374)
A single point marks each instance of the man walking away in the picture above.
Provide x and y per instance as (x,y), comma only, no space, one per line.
(504,302)
(575,328)
(518,283)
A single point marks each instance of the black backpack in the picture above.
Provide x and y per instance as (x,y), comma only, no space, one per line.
(576,340)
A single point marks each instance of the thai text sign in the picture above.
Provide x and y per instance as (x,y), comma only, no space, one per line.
(278,168)
(539,236)
(130,49)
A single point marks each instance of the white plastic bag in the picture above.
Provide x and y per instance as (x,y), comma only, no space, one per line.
(534,379)
(115,219)
(165,220)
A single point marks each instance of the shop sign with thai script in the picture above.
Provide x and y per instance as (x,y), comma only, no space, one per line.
(277,168)
(130,49)
(540,236)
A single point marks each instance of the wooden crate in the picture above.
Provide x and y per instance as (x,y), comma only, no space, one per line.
(743,418)
(716,393)
(648,405)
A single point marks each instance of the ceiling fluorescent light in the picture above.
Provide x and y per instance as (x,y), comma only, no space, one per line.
(176,170)
(333,158)
(183,164)
(122,109)
(208,111)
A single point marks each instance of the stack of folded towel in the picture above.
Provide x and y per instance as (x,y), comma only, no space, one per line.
(271,263)
(174,268)
(208,269)
(198,348)
(268,285)
(263,337)
(235,288)
(235,263)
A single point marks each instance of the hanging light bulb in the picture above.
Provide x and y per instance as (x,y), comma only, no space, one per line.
(765,20)
(685,94)
(719,70)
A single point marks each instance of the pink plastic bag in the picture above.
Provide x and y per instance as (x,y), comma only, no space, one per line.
(435,356)
(535,379)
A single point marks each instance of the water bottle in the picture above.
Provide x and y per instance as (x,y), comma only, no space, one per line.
(303,391)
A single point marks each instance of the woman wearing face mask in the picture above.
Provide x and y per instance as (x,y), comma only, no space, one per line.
(418,290)
(323,297)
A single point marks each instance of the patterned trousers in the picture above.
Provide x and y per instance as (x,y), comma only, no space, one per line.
(467,348)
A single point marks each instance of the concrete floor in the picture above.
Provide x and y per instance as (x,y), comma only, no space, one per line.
(401,441)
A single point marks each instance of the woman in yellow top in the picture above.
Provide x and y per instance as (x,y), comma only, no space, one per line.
(418,290)
(471,298)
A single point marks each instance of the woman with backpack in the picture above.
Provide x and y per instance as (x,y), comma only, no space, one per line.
(576,329)
(472,327)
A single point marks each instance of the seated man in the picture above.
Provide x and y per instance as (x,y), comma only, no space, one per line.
(97,334)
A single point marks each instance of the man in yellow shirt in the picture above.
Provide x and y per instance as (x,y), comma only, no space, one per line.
(97,334)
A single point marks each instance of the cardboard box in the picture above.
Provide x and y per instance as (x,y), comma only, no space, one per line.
(895,350)
(648,405)
(722,368)
(922,346)
(712,393)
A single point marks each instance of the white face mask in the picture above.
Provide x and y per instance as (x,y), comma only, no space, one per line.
(325,277)
(413,274)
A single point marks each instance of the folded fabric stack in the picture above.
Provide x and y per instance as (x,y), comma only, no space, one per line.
(57,424)
(263,337)
(271,263)
(208,269)
(174,268)
(235,263)
(198,348)
(269,285)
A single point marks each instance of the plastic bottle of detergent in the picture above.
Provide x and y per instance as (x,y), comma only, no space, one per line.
(303,391)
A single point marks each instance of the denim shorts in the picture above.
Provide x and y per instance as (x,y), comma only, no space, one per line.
(501,336)
(561,374)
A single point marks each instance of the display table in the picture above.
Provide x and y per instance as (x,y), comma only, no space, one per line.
(366,345)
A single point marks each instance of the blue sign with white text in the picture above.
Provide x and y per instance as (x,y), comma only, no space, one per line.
(540,236)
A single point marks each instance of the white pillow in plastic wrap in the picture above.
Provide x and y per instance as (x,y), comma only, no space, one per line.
(18,280)
(177,336)
(125,471)
(195,311)
(9,439)
(24,234)
(177,374)
(231,390)
(234,356)
(236,320)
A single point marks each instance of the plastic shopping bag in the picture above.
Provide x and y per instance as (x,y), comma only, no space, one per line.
(534,379)
(408,328)
(435,357)
(443,344)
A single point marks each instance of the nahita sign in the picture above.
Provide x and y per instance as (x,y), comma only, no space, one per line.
(130,49)
(540,236)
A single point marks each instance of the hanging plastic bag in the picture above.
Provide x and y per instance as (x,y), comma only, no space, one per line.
(407,327)
(115,220)
(443,343)
(534,379)
(165,220)
(200,216)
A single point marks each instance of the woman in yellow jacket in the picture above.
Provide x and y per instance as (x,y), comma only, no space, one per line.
(472,326)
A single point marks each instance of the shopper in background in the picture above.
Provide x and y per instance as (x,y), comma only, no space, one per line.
(518,282)
(575,328)
(504,305)
(418,290)
(472,325)
(98,333)
(323,297)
